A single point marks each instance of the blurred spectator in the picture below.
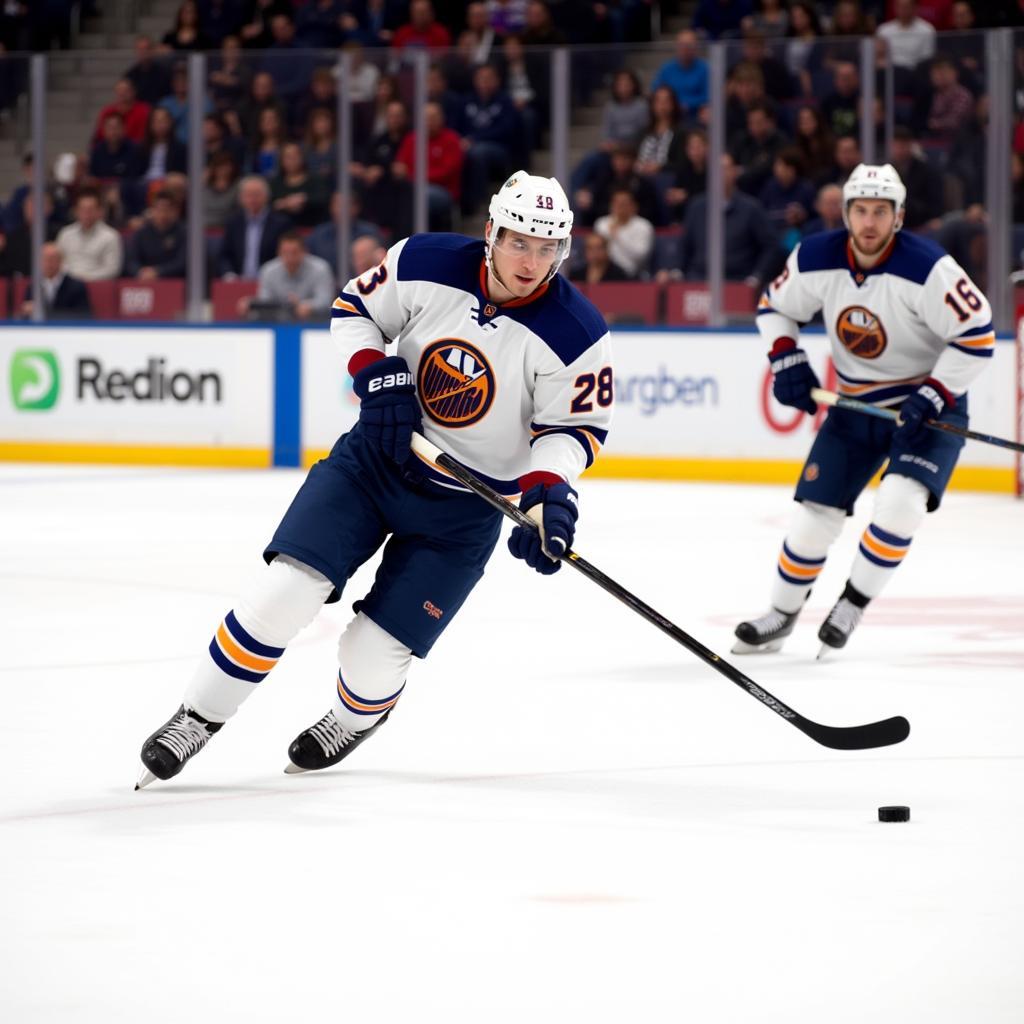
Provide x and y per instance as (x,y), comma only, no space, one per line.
(787,197)
(537,36)
(840,109)
(967,155)
(363,75)
(924,183)
(689,172)
(535,27)
(490,136)
(157,249)
(593,203)
(846,156)
(219,19)
(320,145)
(386,201)
(951,104)
(778,82)
(218,140)
(92,250)
(653,152)
(296,280)
(477,40)
(133,113)
(262,96)
(444,167)
(803,50)
(721,18)
(910,39)
(281,60)
(161,151)
(387,92)
(323,24)
(323,240)
(1017,184)
(251,234)
(270,136)
(743,88)
(186,34)
(321,95)
(597,265)
(177,103)
(828,207)
(16,245)
(366,252)
(114,156)
(522,92)
(814,141)
(220,193)
(770,18)
(754,149)
(422,29)
(230,75)
(965,46)
(752,253)
(686,74)
(64,297)
(255,31)
(630,236)
(150,76)
(304,197)
(378,21)
(12,209)
(848,19)
(510,17)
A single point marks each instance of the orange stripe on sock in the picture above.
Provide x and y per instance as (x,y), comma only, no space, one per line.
(242,656)
(808,572)
(883,550)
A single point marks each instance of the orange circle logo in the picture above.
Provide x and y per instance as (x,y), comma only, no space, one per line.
(861,332)
(456,384)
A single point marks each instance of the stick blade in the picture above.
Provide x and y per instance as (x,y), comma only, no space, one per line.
(858,737)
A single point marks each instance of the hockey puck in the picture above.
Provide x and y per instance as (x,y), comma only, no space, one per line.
(894,814)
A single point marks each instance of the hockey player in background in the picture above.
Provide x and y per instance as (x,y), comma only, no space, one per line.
(499,361)
(908,328)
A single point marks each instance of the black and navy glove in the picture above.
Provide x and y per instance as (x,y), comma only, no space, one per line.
(926,403)
(553,507)
(793,376)
(388,411)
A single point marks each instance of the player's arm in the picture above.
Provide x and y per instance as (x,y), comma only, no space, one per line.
(369,311)
(955,309)
(572,413)
(786,303)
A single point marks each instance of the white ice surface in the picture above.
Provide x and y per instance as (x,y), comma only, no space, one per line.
(568,818)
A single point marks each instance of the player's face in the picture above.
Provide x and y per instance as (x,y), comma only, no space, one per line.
(872,224)
(521,262)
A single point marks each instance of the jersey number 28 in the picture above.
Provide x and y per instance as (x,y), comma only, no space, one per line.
(586,383)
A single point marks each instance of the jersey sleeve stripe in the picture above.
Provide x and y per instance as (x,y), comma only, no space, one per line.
(977,332)
(976,344)
(589,438)
(349,305)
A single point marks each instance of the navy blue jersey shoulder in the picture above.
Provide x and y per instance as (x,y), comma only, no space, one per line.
(448,259)
(826,251)
(913,257)
(567,321)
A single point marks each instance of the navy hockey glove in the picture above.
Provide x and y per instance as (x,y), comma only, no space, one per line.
(555,511)
(793,376)
(388,410)
(926,403)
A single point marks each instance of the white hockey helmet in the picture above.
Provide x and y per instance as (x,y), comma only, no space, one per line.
(875,181)
(533,206)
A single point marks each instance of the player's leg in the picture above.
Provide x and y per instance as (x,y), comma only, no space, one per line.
(329,530)
(842,459)
(913,485)
(429,568)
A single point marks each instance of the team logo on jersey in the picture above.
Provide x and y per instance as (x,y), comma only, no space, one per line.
(861,332)
(456,384)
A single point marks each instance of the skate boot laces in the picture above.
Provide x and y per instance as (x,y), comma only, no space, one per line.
(845,616)
(331,734)
(772,621)
(184,736)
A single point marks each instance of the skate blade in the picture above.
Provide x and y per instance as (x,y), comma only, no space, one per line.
(742,647)
(294,769)
(144,779)
(826,652)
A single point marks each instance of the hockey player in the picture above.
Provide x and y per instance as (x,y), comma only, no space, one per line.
(908,328)
(499,361)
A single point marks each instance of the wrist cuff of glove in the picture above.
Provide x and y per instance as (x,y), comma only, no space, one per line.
(538,476)
(390,374)
(781,347)
(363,358)
(943,392)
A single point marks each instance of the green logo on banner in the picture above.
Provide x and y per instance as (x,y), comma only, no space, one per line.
(35,379)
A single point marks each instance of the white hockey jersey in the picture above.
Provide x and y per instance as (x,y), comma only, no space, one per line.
(915,314)
(506,390)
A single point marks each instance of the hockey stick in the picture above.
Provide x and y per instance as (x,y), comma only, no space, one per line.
(854,737)
(841,402)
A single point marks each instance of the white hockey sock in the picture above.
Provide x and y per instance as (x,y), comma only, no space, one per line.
(253,636)
(372,673)
(900,507)
(803,554)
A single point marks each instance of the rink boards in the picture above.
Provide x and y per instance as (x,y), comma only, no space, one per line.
(692,404)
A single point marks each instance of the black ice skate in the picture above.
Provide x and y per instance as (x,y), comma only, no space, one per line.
(766,634)
(326,743)
(842,620)
(165,752)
